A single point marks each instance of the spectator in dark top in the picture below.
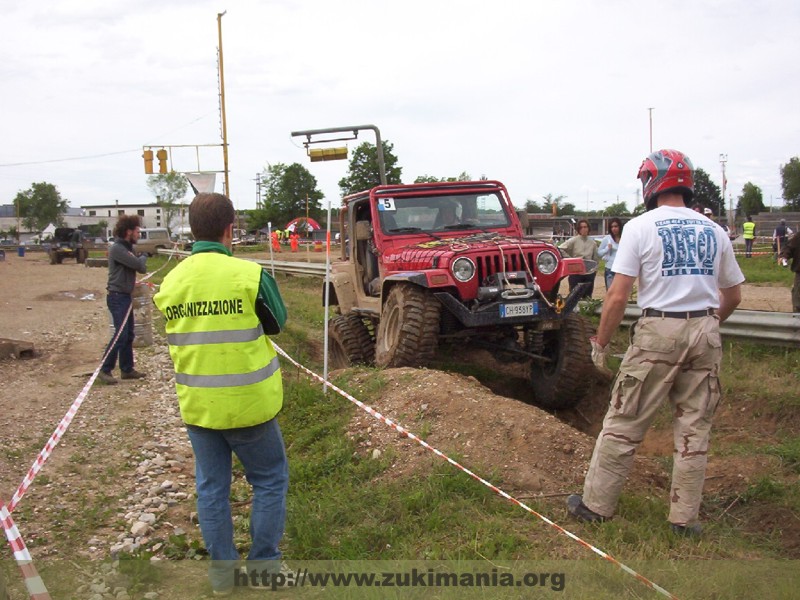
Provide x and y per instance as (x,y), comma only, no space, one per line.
(123,265)
(791,251)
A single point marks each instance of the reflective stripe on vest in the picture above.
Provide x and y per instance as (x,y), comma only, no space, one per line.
(749,230)
(218,381)
(215,337)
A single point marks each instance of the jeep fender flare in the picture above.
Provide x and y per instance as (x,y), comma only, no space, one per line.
(341,291)
(416,277)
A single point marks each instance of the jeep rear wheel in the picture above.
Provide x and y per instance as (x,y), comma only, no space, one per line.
(562,382)
(349,342)
(409,327)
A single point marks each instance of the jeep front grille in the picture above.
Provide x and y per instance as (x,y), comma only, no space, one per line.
(490,264)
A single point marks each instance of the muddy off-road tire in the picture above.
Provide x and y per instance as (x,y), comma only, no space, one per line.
(562,382)
(349,342)
(409,328)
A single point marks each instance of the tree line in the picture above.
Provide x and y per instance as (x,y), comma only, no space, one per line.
(290,191)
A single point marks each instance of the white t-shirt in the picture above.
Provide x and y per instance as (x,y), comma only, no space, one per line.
(681,258)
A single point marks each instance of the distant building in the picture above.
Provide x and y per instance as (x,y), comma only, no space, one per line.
(151,214)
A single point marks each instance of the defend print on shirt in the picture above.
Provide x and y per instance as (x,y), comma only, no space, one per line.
(688,249)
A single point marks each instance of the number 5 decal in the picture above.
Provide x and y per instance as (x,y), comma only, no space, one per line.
(386,204)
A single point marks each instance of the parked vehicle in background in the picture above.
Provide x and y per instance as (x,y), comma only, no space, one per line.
(152,239)
(448,262)
(69,242)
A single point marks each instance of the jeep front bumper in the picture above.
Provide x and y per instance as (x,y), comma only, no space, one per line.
(510,313)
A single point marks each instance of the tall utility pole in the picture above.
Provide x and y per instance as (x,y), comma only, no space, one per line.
(650,110)
(723,158)
(222,106)
(258,190)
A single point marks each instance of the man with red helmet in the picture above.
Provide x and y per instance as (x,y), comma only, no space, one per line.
(689,282)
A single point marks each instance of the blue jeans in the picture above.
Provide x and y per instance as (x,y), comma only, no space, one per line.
(260,450)
(118,304)
(609,277)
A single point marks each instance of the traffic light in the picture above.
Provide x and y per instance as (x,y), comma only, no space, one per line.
(318,154)
(162,160)
(148,162)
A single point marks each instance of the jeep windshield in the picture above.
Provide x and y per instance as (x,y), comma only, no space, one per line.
(441,213)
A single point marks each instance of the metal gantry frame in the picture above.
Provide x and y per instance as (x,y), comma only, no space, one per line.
(354,129)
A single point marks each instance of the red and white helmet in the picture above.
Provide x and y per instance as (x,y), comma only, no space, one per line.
(666,171)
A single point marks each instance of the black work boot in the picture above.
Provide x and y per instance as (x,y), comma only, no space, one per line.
(579,510)
(132,374)
(106,378)
(693,531)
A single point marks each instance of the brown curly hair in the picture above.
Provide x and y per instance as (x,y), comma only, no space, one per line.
(126,223)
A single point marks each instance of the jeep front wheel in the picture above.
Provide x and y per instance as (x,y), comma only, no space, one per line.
(564,380)
(349,342)
(409,327)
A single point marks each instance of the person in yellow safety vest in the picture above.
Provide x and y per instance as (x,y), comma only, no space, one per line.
(749,229)
(218,311)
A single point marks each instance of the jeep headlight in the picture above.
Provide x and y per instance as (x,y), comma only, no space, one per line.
(546,262)
(463,269)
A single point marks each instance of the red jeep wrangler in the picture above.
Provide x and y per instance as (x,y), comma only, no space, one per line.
(448,262)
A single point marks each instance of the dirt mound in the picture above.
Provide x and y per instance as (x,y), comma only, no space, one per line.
(519,447)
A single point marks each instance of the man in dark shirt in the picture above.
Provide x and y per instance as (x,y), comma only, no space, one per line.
(123,265)
(791,252)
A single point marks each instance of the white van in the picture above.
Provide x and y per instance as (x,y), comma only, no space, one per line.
(150,240)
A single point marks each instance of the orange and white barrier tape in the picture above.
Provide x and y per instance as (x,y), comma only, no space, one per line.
(45,452)
(33,581)
(492,487)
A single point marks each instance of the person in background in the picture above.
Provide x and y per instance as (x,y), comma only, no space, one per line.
(582,246)
(791,251)
(229,386)
(123,264)
(749,234)
(685,292)
(608,248)
(780,236)
(276,240)
(448,214)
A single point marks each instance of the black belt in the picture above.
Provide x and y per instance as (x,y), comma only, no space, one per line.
(687,314)
(110,292)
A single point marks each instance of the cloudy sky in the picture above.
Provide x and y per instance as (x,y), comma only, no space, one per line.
(548,97)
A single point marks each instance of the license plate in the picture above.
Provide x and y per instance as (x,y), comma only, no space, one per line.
(521,309)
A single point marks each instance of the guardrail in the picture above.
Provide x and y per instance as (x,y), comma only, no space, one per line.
(761,327)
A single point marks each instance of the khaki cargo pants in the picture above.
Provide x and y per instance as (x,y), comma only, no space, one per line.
(674,359)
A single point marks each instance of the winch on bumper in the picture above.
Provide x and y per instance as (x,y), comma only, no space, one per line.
(499,304)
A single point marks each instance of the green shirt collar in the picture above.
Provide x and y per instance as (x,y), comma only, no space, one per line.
(203,246)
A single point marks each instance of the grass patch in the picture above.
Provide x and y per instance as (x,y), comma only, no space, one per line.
(788,452)
(764,270)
